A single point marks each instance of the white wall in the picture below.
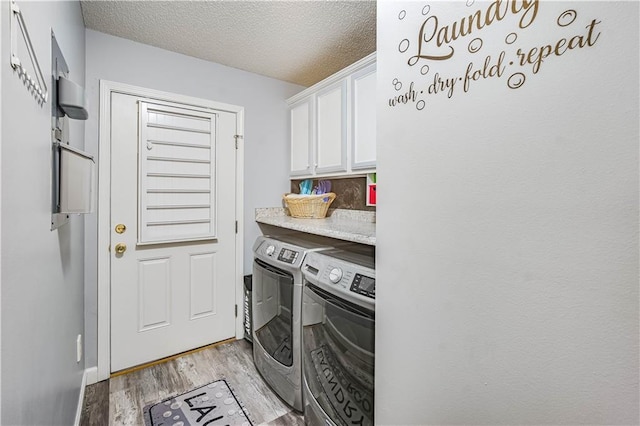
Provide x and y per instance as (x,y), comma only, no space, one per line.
(42,271)
(1,230)
(508,221)
(266,135)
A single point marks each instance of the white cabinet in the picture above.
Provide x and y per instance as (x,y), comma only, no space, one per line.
(333,129)
(301,137)
(363,123)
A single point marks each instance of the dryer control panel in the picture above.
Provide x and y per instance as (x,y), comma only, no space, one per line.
(285,252)
(288,256)
(343,274)
(364,285)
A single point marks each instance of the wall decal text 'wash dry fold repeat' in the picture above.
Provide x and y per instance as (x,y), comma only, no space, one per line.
(436,42)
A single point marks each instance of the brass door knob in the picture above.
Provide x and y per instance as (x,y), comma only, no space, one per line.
(121,248)
(120,228)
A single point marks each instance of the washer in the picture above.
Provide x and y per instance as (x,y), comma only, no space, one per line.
(276,310)
(338,336)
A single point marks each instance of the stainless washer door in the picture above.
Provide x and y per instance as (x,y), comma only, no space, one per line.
(338,356)
(272,301)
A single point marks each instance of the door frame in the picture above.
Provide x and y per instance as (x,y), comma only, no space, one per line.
(104,205)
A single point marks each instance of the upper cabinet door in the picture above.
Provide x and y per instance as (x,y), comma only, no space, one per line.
(302,137)
(333,124)
(331,132)
(363,129)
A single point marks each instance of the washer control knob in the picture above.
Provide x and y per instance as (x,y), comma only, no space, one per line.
(270,250)
(335,275)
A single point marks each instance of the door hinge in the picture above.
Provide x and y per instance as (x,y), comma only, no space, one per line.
(236,226)
(236,311)
(238,137)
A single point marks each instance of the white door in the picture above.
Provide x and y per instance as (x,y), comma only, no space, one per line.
(173,261)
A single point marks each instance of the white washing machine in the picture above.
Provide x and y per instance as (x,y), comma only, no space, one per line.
(276,310)
(338,336)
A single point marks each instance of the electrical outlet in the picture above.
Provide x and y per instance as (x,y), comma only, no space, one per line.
(79,348)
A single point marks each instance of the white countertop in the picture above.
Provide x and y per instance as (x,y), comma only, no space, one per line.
(348,225)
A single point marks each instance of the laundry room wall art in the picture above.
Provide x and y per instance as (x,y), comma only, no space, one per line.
(513,42)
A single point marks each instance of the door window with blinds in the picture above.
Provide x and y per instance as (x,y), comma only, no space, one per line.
(177,174)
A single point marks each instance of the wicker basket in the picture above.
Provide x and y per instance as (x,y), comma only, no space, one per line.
(309,206)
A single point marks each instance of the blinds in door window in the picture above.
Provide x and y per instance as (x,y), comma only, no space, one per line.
(177,174)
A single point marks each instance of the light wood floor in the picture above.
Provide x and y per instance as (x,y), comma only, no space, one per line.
(120,400)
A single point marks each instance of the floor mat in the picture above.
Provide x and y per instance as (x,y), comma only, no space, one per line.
(210,405)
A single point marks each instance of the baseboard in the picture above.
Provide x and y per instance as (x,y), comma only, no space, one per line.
(89,374)
(92,375)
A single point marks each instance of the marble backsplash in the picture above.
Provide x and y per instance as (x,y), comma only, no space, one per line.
(350,192)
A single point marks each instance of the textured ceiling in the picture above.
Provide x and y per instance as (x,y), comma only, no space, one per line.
(300,42)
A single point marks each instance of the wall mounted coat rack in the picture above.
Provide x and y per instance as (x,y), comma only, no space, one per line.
(34,80)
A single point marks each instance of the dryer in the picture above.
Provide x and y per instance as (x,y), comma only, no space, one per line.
(338,336)
(276,310)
